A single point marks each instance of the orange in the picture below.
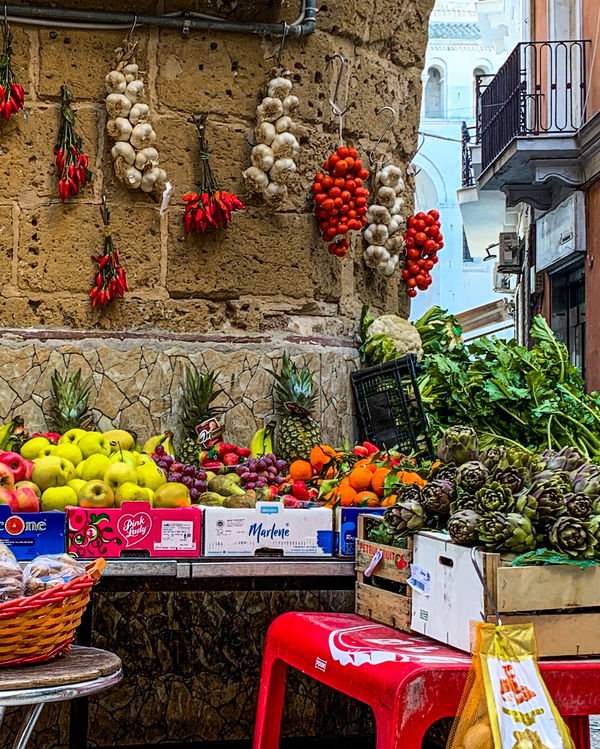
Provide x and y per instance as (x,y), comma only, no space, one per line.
(360,478)
(389,501)
(410,477)
(320,456)
(346,493)
(301,470)
(367,499)
(378,480)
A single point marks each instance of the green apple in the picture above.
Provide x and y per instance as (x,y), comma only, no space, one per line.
(120,473)
(72,436)
(29,485)
(96,494)
(150,476)
(52,471)
(124,456)
(172,494)
(142,459)
(129,492)
(76,485)
(45,451)
(93,467)
(69,451)
(119,439)
(150,494)
(32,448)
(93,443)
(58,497)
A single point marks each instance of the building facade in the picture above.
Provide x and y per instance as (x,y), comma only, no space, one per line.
(538,149)
(456,55)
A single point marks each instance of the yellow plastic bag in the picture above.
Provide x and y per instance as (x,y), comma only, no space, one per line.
(505,704)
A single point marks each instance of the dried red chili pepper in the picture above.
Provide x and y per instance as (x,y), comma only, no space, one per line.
(111,279)
(71,163)
(12,95)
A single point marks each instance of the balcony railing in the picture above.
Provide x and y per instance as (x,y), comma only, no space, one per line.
(468,175)
(540,90)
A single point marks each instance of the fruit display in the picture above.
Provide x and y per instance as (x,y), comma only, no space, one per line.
(209,207)
(505,499)
(341,198)
(276,151)
(382,237)
(422,241)
(12,95)
(71,161)
(135,157)
(295,397)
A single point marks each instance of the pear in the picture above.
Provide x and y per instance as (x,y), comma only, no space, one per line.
(211,498)
(172,494)
(222,485)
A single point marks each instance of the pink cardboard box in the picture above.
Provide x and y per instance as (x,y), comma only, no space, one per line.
(134,530)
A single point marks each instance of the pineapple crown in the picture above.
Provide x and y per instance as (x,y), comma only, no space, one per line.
(70,408)
(294,388)
(199,393)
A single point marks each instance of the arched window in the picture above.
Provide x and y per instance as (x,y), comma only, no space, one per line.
(433,93)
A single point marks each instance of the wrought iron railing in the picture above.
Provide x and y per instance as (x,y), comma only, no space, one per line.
(468,175)
(540,90)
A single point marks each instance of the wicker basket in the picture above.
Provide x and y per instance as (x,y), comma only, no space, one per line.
(39,627)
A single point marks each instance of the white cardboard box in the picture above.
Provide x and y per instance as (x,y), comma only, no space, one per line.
(455,596)
(268,526)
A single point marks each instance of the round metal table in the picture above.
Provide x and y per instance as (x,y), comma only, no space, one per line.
(79,673)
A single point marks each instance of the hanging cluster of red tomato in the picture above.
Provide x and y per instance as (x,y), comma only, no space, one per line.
(341,198)
(422,241)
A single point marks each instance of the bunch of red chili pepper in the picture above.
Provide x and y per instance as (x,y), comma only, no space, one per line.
(111,279)
(12,96)
(71,162)
(210,207)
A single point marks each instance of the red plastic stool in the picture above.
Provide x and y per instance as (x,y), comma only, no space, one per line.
(407,680)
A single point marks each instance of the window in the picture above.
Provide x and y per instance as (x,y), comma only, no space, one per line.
(433,94)
(568,312)
(478,71)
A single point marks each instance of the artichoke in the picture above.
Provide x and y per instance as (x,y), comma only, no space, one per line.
(462,527)
(578,505)
(494,497)
(521,458)
(512,477)
(527,505)
(459,444)
(408,493)
(471,476)
(594,528)
(586,480)
(404,518)
(573,537)
(445,471)
(509,532)
(567,459)
(549,496)
(493,457)
(437,496)
(464,501)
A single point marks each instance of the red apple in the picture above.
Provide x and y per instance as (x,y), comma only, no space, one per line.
(26,500)
(52,437)
(20,467)
(29,485)
(7,479)
(7,497)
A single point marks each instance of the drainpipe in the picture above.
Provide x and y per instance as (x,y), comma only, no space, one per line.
(185,22)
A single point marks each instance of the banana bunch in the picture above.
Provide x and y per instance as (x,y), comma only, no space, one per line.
(262,441)
(166,440)
(10,434)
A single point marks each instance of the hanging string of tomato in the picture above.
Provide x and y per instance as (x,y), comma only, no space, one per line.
(422,240)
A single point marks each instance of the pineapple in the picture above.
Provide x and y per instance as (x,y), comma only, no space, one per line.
(199,392)
(295,398)
(70,408)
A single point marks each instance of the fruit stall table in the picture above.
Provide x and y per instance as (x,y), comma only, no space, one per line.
(201,625)
(82,671)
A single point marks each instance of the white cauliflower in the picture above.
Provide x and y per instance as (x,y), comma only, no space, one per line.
(400,334)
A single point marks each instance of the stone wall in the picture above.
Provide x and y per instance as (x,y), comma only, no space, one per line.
(269,273)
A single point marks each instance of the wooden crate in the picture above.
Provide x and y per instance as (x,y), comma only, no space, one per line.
(562,601)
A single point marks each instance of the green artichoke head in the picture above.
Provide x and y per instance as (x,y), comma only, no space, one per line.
(494,497)
(471,476)
(462,527)
(573,537)
(508,532)
(458,445)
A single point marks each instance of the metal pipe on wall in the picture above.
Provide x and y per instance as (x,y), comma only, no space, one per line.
(183,22)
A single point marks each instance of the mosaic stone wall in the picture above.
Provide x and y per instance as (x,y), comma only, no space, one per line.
(137,382)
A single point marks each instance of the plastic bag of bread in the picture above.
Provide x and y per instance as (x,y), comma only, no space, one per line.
(47,571)
(11,578)
(5,551)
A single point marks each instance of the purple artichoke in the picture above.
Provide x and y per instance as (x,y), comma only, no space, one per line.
(471,476)
(437,496)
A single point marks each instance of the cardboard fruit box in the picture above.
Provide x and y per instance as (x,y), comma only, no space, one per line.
(432,588)
(30,534)
(134,530)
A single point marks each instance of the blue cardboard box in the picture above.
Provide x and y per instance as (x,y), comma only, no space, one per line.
(30,534)
(346,524)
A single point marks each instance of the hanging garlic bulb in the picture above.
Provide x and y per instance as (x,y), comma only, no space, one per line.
(382,236)
(274,156)
(135,158)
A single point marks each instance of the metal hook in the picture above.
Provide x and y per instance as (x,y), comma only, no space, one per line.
(488,592)
(5,16)
(335,108)
(131,30)
(371,153)
(283,40)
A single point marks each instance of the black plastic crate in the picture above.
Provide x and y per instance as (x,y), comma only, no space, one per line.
(389,407)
